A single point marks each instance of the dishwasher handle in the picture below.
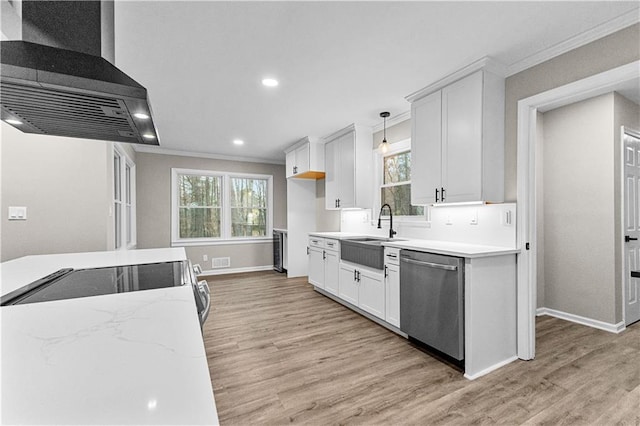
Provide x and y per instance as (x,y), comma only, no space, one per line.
(429,264)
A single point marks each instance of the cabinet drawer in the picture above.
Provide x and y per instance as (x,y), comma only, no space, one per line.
(316,242)
(332,245)
(392,256)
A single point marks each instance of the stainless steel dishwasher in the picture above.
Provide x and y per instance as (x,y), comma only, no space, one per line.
(432,300)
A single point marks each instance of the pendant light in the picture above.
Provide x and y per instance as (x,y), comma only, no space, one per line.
(384,145)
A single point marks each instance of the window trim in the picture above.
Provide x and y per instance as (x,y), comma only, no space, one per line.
(225,215)
(394,148)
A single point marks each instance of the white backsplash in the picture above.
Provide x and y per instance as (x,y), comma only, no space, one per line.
(450,223)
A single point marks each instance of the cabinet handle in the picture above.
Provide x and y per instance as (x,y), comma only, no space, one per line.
(355,275)
(358,275)
(324,255)
(338,202)
(295,170)
(442,194)
(437,195)
(307,250)
(386,273)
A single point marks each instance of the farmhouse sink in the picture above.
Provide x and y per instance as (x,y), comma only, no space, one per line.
(366,251)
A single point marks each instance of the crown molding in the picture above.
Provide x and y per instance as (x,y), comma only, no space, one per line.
(486,63)
(180,153)
(595,33)
(396,119)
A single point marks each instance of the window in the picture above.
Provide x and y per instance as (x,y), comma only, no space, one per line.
(210,207)
(124,218)
(395,187)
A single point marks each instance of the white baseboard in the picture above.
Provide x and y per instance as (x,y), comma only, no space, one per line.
(490,369)
(224,271)
(601,325)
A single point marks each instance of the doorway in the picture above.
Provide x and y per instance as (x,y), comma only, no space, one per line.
(631,187)
(526,191)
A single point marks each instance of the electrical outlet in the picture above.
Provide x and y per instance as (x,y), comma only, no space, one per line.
(507,218)
(474,217)
(205,258)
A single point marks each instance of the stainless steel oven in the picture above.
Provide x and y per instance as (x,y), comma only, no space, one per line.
(74,283)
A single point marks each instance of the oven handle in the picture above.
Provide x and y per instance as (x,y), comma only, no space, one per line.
(203,288)
(429,264)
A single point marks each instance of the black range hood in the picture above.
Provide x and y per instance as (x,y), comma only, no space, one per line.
(50,90)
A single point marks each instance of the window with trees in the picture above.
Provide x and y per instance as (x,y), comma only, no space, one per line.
(395,188)
(213,206)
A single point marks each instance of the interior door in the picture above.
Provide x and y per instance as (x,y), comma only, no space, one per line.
(631,226)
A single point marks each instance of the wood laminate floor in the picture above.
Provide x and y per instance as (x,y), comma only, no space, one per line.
(281,353)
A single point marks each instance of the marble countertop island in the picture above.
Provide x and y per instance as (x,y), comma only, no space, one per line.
(128,358)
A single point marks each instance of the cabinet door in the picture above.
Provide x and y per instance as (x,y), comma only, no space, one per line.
(331,272)
(316,267)
(462,139)
(426,142)
(371,296)
(302,159)
(331,180)
(348,288)
(392,295)
(290,160)
(347,172)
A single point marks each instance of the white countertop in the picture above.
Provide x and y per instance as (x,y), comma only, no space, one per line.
(128,358)
(132,358)
(431,246)
(452,249)
(19,272)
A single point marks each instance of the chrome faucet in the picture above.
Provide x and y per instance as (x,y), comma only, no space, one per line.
(391,231)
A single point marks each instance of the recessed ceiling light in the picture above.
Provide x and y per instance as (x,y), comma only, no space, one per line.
(238,142)
(13,121)
(270,82)
(141,115)
(149,136)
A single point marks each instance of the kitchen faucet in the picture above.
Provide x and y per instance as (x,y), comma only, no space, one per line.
(391,231)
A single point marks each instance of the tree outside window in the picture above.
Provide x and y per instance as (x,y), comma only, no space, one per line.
(396,185)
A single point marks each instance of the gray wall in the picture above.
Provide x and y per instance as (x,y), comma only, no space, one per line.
(601,55)
(579,211)
(154,207)
(65,185)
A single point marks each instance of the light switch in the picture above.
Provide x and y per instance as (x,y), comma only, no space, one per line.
(17,213)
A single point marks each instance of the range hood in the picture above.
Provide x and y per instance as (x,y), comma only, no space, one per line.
(51,90)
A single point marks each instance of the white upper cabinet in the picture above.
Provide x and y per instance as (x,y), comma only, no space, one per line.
(457,139)
(305,159)
(349,160)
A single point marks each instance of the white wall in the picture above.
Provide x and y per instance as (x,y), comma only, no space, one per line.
(65,184)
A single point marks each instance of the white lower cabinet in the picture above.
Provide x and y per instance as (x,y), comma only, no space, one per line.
(392,286)
(331,270)
(316,267)
(362,287)
(348,284)
(324,259)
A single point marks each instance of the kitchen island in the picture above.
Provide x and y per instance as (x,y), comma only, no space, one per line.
(127,358)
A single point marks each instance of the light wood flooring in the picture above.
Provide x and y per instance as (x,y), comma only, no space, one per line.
(281,353)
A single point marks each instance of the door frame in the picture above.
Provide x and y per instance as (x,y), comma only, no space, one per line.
(528,108)
(624,130)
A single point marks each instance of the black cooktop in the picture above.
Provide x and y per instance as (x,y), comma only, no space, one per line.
(74,283)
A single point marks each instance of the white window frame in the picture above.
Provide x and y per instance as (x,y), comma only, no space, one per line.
(225,214)
(394,148)
(126,225)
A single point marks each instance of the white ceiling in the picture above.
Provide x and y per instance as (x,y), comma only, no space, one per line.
(337,62)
